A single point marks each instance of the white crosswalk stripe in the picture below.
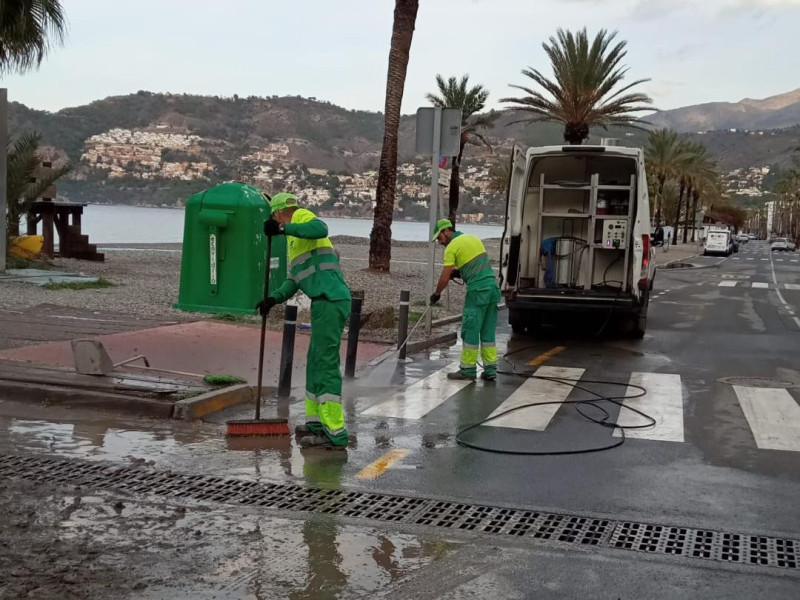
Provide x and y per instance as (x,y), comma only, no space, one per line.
(533,391)
(773,415)
(422,397)
(760,284)
(663,401)
(791,286)
(727,284)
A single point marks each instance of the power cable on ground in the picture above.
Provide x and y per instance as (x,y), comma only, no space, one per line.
(603,421)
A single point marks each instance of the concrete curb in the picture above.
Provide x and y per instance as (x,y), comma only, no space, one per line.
(446,338)
(80,397)
(197,407)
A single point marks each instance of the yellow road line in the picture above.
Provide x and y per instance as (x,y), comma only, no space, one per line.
(545,356)
(377,468)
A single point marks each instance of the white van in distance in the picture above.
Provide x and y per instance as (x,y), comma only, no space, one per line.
(718,242)
(577,236)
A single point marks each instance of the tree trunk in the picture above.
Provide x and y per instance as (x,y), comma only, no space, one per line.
(455,185)
(686,218)
(661,179)
(695,199)
(380,239)
(678,210)
(575,133)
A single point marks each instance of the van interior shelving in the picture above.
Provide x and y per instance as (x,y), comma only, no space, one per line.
(578,228)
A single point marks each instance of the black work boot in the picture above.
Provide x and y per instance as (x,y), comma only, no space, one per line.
(322,442)
(459,376)
(488,376)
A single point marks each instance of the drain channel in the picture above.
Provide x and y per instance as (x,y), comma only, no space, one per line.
(627,535)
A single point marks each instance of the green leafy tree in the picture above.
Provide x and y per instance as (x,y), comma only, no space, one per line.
(380,238)
(587,89)
(22,187)
(664,155)
(28,29)
(455,93)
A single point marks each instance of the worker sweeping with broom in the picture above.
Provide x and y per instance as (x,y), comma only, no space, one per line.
(467,254)
(314,269)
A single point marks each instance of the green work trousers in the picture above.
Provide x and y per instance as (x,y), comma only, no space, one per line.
(324,413)
(478,324)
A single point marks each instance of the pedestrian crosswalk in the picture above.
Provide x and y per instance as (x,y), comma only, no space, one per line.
(758,285)
(772,415)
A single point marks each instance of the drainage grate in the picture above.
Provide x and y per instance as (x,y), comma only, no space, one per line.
(568,529)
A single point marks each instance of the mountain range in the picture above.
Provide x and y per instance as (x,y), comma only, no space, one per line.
(148,144)
(775,112)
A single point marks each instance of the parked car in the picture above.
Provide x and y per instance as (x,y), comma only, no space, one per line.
(743,239)
(782,245)
(752,236)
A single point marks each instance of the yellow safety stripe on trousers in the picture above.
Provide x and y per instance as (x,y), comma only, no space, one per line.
(489,354)
(469,357)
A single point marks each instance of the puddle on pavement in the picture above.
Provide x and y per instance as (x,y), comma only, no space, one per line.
(108,543)
(247,555)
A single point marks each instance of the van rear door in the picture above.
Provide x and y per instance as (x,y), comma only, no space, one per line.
(509,249)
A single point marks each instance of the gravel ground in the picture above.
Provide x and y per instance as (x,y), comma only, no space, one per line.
(146,281)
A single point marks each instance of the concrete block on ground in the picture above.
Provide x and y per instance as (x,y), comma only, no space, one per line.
(197,407)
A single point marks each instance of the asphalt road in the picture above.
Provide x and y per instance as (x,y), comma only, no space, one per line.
(721,367)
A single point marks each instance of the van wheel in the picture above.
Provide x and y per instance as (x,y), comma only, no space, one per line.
(639,321)
(517,322)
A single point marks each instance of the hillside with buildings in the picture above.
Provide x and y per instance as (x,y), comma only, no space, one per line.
(159,149)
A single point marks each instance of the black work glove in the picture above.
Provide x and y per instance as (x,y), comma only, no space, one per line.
(435,298)
(272,227)
(455,274)
(265,306)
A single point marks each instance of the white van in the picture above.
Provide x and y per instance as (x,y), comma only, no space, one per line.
(718,242)
(577,236)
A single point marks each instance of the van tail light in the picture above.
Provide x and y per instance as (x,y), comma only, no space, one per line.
(644,282)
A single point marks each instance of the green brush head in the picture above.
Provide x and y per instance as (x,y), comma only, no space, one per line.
(223,379)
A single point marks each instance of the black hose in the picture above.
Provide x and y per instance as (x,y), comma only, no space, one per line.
(602,421)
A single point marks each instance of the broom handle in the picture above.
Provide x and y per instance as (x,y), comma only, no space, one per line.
(263,329)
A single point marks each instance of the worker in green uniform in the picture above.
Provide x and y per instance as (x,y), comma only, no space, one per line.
(314,269)
(465,257)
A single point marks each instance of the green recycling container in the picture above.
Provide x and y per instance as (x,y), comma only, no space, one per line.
(225,251)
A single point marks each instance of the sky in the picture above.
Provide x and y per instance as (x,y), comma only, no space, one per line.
(693,51)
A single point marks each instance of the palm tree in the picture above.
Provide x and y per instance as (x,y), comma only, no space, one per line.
(455,94)
(586,90)
(21,184)
(380,239)
(28,28)
(664,154)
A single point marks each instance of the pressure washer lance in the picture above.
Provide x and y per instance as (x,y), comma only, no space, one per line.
(408,337)
(259,426)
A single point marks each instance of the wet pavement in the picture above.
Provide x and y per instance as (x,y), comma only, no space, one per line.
(723,460)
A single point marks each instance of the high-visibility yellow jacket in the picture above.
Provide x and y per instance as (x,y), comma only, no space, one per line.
(313,264)
(468,254)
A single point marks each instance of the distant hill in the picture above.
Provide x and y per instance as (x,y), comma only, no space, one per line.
(775,112)
(160,148)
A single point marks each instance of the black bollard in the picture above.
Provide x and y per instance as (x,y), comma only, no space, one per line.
(352,338)
(287,351)
(402,322)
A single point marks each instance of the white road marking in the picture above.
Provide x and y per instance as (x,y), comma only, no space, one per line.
(778,292)
(760,284)
(532,391)
(764,259)
(791,286)
(736,258)
(663,401)
(751,258)
(727,284)
(422,397)
(773,416)
(778,260)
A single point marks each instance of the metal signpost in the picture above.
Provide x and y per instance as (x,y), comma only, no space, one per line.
(438,134)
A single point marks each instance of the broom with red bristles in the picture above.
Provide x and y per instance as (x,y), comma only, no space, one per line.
(259,426)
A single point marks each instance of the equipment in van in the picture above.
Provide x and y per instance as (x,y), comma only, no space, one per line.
(577,235)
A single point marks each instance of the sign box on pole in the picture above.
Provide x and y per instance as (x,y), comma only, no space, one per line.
(449,132)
